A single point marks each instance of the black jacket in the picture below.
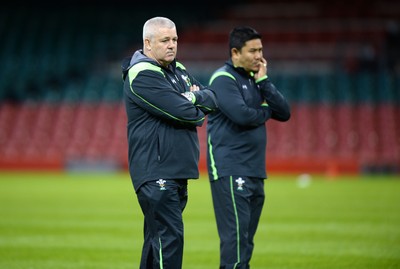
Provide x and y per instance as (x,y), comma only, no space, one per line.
(162,134)
(236,133)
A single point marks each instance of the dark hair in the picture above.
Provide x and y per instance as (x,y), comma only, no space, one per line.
(240,35)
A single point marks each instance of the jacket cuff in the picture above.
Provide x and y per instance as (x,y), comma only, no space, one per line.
(262,78)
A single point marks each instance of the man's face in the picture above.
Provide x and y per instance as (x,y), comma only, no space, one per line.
(164,45)
(250,56)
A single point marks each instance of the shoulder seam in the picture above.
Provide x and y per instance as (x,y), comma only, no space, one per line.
(219,74)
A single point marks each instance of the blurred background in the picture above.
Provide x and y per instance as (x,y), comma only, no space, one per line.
(337,62)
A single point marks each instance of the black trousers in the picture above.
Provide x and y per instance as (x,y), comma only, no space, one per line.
(238,202)
(162,203)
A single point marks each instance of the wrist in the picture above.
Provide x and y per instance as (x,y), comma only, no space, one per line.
(190,96)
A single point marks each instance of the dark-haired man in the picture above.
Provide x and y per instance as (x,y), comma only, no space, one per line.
(236,136)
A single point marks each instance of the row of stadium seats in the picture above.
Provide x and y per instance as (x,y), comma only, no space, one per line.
(68,132)
(303,88)
(368,135)
(336,88)
(304,35)
(65,46)
(45,52)
(60,84)
(74,54)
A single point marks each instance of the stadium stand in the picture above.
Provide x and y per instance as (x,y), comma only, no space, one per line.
(60,87)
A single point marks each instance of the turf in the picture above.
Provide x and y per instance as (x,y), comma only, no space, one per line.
(89,220)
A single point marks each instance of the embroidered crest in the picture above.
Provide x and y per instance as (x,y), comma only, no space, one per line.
(187,80)
(161,182)
(240,183)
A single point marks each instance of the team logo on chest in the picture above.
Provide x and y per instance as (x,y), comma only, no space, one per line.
(240,182)
(161,182)
(187,80)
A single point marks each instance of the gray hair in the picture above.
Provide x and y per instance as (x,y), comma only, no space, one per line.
(152,25)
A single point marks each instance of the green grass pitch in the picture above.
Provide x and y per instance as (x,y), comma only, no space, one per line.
(93,221)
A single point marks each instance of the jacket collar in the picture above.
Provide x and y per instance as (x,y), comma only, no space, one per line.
(239,70)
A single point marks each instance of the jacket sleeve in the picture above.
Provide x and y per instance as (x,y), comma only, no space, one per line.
(232,104)
(204,98)
(275,100)
(151,91)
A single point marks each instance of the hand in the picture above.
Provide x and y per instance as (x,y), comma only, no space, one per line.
(194,88)
(262,70)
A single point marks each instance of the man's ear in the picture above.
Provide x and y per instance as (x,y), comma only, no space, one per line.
(235,55)
(235,51)
(147,44)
